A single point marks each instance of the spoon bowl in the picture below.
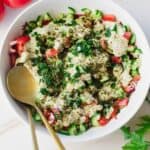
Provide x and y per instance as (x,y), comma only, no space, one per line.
(23,88)
(21,85)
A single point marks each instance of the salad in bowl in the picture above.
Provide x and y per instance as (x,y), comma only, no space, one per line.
(86,65)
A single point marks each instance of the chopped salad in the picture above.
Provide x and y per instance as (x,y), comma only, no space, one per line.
(86,65)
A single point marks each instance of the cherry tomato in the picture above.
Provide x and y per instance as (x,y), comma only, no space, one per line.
(127,35)
(103,121)
(16,3)
(109,17)
(116,59)
(121,103)
(20,42)
(130,88)
(136,78)
(114,113)
(51,118)
(46,113)
(51,53)
(23,39)
(2,10)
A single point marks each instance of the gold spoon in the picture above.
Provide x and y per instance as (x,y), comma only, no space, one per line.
(23,87)
(32,127)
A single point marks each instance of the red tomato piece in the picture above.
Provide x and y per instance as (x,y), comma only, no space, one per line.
(136,78)
(114,113)
(130,88)
(109,17)
(51,118)
(46,113)
(127,35)
(20,43)
(51,53)
(16,3)
(116,59)
(23,39)
(103,121)
(2,10)
(121,103)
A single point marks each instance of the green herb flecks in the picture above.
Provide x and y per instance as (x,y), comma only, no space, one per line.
(51,73)
(82,46)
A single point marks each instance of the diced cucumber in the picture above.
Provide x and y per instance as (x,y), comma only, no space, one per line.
(126,28)
(136,52)
(70,19)
(82,128)
(131,48)
(65,132)
(134,64)
(86,10)
(115,28)
(133,39)
(39,21)
(94,119)
(72,130)
(97,14)
(36,117)
(135,72)
(126,61)
(120,93)
(71,10)
(47,16)
(50,42)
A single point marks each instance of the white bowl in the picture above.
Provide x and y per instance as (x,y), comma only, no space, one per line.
(58,6)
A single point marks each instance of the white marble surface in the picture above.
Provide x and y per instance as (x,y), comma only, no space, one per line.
(15,136)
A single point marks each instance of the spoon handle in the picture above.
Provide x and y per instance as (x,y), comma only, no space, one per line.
(50,130)
(34,139)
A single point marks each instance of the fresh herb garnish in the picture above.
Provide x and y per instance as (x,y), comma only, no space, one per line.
(82,46)
(51,73)
(108,32)
(136,139)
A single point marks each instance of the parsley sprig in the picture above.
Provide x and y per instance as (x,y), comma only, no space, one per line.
(136,139)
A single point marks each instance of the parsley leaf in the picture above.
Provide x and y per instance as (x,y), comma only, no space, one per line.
(136,138)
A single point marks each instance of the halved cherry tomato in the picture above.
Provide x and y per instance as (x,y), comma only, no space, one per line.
(116,59)
(13,57)
(23,39)
(46,113)
(121,103)
(136,78)
(130,88)
(20,42)
(127,35)
(16,3)
(114,113)
(51,118)
(2,10)
(109,17)
(51,53)
(103,121)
